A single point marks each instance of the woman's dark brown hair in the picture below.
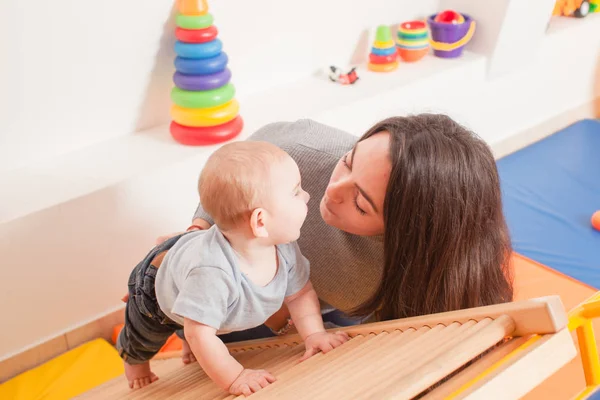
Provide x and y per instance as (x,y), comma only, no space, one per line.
(446,244)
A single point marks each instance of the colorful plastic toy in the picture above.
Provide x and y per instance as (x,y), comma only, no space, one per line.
(383,57)
(207,135)
(596,220)
(449,38)
(205,111)
(192,7)
(198,50)
(575,8)
(201,66)
(202,82)
(412,40)
(196,35)
(449,17)
(336,75)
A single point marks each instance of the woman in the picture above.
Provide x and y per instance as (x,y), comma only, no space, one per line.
(407,221)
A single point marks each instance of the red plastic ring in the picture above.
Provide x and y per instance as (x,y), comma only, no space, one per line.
(375,59)
(203,136)
(196,35)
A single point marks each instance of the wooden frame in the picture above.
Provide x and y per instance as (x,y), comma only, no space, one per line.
(396,359)
(535,316)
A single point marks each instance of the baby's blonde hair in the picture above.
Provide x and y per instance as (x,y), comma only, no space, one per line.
(236,180)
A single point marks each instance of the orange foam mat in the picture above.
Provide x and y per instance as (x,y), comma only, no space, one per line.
(533,279)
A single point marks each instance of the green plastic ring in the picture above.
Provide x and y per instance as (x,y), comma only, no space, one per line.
(413,36)
(203,99)
(194,21)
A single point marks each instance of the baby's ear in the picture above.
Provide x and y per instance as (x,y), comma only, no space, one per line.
(257,223)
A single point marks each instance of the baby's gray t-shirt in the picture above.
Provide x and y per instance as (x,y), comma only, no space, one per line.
(200,279)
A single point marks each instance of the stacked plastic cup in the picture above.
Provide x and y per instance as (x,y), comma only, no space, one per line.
(413,40)
(205,111)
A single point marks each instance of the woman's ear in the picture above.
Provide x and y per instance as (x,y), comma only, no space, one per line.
(257,223)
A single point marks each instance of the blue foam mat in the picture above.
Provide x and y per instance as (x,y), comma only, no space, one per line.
(595,395)
(550,191)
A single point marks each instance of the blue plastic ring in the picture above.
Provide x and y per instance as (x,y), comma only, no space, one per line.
(383,52)
(198,50)
(203,66)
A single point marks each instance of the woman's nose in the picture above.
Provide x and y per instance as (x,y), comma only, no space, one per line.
(335,191)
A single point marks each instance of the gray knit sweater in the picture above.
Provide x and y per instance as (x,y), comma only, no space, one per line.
(345,269)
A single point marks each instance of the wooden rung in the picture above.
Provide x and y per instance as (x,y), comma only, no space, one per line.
(313,382)
(447,359)
(286,379)
(535,316)
(345,376)
(394,361)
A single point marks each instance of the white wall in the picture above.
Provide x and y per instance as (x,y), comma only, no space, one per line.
(76,72)
(67,265)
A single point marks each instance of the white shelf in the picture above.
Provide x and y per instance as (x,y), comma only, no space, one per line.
(560,24)
(79,173)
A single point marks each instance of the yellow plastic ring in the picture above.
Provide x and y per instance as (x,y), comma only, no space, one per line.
(383,45)
(204,117)
(192,7)
(383,67)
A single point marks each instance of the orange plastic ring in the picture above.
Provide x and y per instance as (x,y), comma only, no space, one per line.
(192,7)
(383,67)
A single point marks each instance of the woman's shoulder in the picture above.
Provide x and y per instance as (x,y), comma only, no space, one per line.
(306,136)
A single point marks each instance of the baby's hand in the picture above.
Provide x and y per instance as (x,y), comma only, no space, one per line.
(324,342)
(251,381)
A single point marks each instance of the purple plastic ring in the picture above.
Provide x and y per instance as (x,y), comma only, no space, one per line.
(202,82)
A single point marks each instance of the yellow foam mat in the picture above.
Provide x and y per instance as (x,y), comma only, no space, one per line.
(67,375)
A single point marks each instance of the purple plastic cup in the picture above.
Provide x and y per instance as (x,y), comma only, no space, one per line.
(448,33)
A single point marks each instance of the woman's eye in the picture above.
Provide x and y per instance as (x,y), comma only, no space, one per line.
(345,161)
(360,210)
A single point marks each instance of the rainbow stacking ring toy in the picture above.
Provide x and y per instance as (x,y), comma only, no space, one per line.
(204,110)
(383,56)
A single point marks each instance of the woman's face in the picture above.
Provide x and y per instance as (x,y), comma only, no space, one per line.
(353,200)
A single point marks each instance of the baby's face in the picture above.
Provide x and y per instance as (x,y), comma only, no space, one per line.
(287,204)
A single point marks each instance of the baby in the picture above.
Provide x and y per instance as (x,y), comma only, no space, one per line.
(231,277)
